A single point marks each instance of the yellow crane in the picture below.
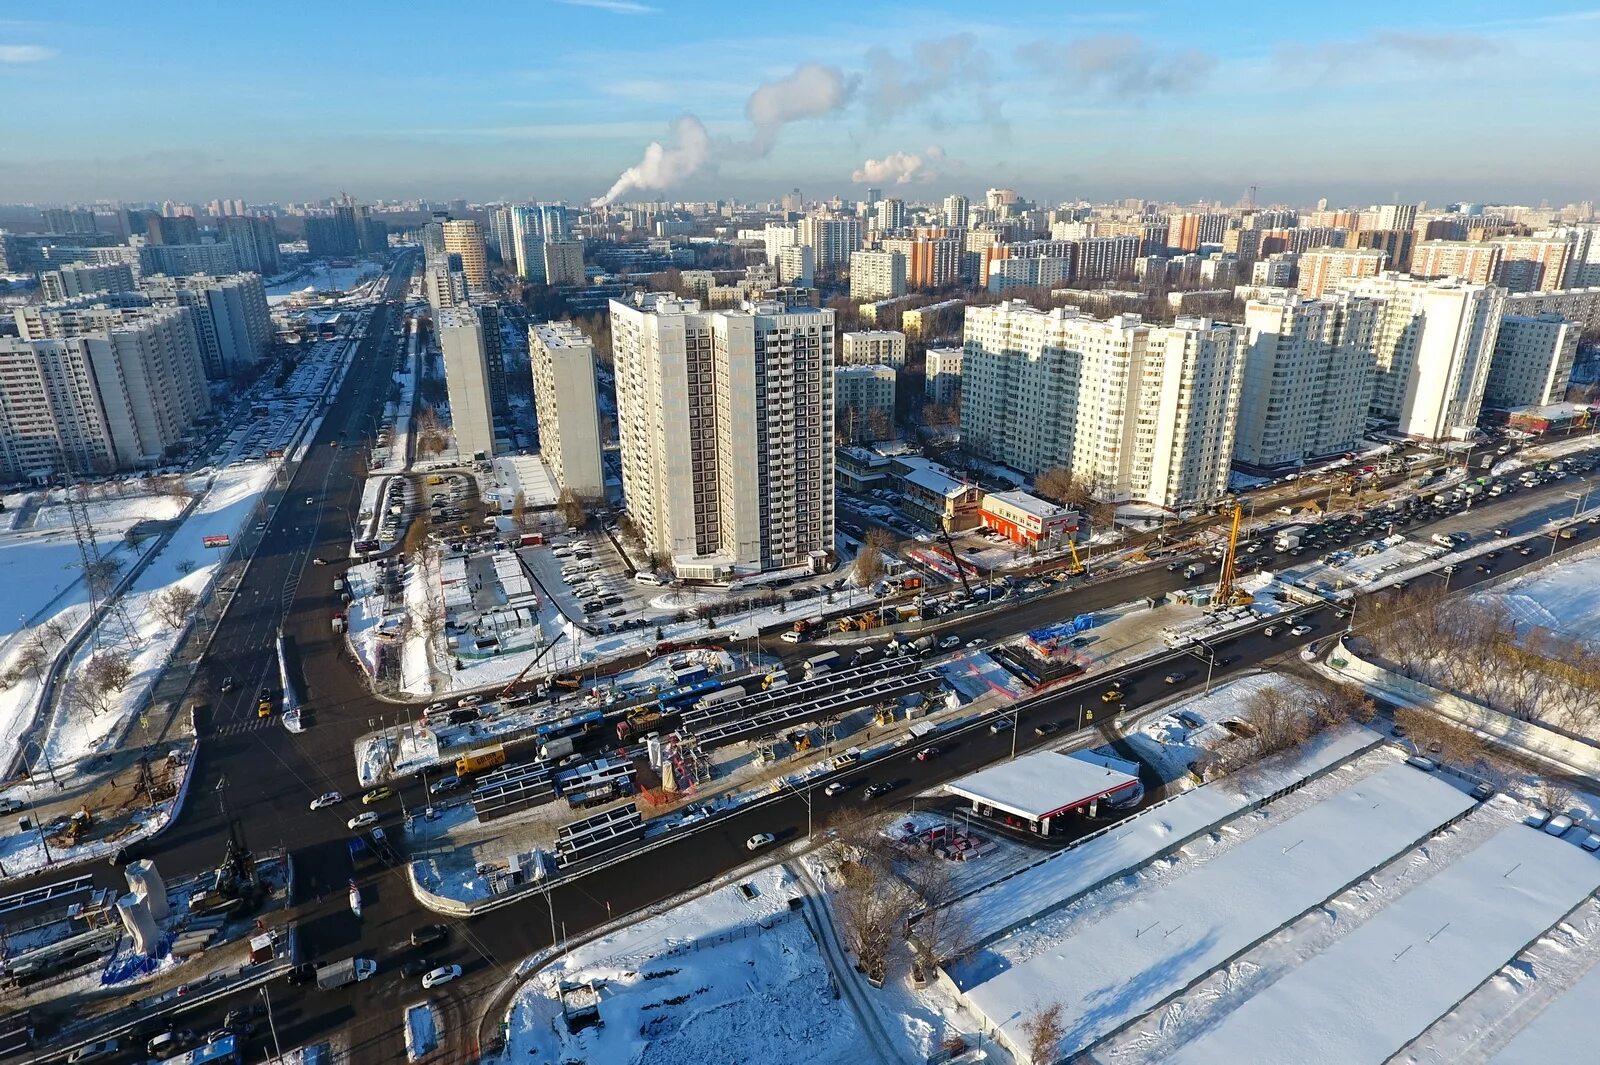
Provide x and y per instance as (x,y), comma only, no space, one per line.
(1226,595)
(1077,563)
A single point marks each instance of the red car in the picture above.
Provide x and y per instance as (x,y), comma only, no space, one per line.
(927,753)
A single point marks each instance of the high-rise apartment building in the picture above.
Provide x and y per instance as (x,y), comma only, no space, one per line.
(873,347)
(1532,363)
(466,377)
(1308,370)
(433,238)
(1395,243)
(113,390)
(563,262)
(171,229)
(178,259)
(232,319)
(797,265)
(1320,269)
(502,233)
(80,279)
(876,275)
(833,239)
(1532,264)
(1136,411)
(726,424)
(443,286)
(463,237)
(527,242)
(931,262)
(1105,258)
(1033,272)
(567,406)
(1582,305)
(863,403)
(1275,271)
(69,220)
(254,242)
(941,376)
(1476,262)
(1433,346)
(956,211)
(1394,216)
(1186,232)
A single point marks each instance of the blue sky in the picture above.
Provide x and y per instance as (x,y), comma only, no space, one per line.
(1355,101)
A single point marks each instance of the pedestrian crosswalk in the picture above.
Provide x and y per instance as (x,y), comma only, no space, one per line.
(236,728)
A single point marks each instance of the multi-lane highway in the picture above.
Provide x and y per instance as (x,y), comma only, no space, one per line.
(257,772)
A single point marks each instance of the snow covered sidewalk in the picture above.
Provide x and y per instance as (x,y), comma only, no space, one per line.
(1366,996)
(1113,971)
(1556,1033)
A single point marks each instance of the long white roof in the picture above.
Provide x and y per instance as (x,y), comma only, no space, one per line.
(1038,785)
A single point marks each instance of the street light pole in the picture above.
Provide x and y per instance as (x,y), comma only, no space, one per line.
(272,1023)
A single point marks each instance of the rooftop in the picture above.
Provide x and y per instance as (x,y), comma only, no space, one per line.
(1028,504)
(1039,785)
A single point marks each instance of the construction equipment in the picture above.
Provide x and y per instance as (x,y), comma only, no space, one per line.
(1226,595)
(1077,563)
(961,570)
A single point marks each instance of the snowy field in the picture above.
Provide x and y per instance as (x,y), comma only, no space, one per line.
(1559,1031)
(1363,998)
(1560,597)
(723,979)
(1110,972)
(225,508)
(324,278)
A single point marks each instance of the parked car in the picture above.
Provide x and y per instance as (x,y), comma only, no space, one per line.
(759,840)
(442,975)
(326,799)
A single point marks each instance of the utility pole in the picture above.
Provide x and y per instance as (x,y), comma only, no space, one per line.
(272,1023)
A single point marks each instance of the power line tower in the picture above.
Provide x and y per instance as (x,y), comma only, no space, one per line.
(96,574)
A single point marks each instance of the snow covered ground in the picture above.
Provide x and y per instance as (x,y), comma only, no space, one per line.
(1366,996)
(226,505)
(729,978)
(1565,1028)
(324,278)
(1065,875)
(1559,597)
(1113,970)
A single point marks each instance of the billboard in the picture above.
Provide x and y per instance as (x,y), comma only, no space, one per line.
(216,541)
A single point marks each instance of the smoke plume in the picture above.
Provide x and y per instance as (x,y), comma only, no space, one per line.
(665,165)
(899,168)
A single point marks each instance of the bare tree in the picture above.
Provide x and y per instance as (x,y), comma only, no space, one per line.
(519,510)
(572,509)
(868,566)
(1439,739)
(1044,1029)
(415,541)
(103,676)
(1276,722)
(102,575)
(175,605)
(939,931)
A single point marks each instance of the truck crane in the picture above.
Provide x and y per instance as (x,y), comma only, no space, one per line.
(961,570)
(1226,595)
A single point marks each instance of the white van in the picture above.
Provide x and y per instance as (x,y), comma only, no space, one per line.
(650,578)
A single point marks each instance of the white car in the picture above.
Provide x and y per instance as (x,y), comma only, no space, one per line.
(362,820)
(949,642)
(979,642)
(327,799)
(442,975)
(310,500)
(1299,630)
(759,840)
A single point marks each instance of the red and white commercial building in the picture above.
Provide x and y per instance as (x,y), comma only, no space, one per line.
(1026,519)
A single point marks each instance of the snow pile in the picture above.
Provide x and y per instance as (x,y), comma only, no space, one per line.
(1113,971)
(730,977)
(1556,1033)
(1368,994)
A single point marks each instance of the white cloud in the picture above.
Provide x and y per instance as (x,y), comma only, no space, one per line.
(809,91)
(899,168)
(25,53)
(619,7)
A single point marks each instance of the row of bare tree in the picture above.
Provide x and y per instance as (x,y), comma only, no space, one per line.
(1283,717)
(1475,648)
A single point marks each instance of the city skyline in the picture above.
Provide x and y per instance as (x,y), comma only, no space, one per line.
(1096,101)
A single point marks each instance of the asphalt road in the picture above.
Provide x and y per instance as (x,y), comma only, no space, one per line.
(264,776)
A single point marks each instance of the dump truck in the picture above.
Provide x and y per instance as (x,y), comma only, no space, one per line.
(337,974)
(479,760)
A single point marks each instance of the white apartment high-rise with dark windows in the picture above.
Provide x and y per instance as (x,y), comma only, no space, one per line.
(565,400)
(1307,377)
(466,378)
(726,424)
(1136,411)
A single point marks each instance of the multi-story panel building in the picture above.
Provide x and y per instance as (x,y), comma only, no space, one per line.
(833,239)
(232,319)
(867,347)
(797,265)
(1320,269)
(863,403)
(1532,264)
(1275,271)
(1582,305)
(1136,411)
(1105,258)
(956,211)
(466,376)
(725,419)
(462,237)
(1307,377)
(502,233)
(52,421)
(567,406)
(81,279)
(932,320)
(1476,262)
(1532,363)
(180,259)
(254,242)
(876,275)
(69,220)
(1039,272)
(941,379)
(1433,345)
(931,262)
(563,262)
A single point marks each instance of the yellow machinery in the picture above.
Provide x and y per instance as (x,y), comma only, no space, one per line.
(1226,595)
(1077,563)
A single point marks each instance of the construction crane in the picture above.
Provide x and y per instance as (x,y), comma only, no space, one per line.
(1077,563)
(1226,595)
(961,571)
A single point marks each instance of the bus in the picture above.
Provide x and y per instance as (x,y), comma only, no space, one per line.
(687,695)
(569,726)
